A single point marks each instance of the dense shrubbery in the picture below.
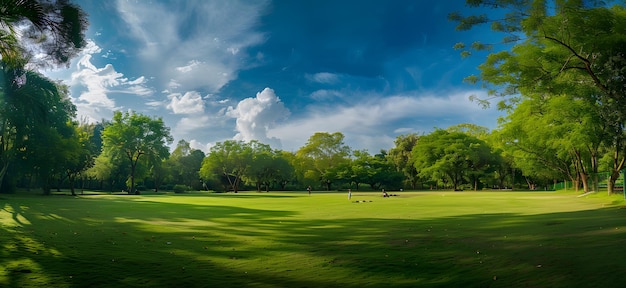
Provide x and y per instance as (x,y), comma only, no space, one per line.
(181,188)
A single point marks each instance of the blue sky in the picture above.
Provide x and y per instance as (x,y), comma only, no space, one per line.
(278,71)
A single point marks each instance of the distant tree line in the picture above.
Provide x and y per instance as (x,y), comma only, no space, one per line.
(561,81)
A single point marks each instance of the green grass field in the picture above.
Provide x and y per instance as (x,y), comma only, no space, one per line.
(416,239)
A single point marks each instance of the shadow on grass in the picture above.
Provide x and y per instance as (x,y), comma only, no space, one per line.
(120,243)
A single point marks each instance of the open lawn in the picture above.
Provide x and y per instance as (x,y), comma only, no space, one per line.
(416,239)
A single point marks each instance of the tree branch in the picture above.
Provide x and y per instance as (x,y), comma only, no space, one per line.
(586,62)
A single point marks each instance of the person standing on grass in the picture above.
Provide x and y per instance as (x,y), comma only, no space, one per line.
(309,189)
(349,194)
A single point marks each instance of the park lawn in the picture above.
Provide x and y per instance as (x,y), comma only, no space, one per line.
(425,239)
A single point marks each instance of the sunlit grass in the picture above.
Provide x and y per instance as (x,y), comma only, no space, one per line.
(458,239)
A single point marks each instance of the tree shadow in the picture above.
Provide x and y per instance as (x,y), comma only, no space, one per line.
(121,243)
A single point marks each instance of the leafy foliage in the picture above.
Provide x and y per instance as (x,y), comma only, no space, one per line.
(133,135)
(54,29)
(324,152)
(452,157)
(568,47)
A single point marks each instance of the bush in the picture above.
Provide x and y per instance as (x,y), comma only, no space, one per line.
(180,188)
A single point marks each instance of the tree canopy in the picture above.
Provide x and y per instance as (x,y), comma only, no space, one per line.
(323,153)
(40,32)
(132,135)
(569,47)
(452,157)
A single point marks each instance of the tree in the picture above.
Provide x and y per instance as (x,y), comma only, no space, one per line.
(374,170)
(54,29)
(484,160)
(184,165)
(452,156)
(564,132)
(559,47)
(34,118)
(95,146)
(324,151)
(284,170)
(401,157)
(227,162)
(267,167)
(105,170)
(133,135)
(81,154)
(505,170)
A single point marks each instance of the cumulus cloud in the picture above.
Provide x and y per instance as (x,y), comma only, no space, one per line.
(189,103)
(256,116)
(195,144)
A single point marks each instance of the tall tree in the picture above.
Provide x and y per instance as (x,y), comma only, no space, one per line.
(559,47)
(32,34)
(33,118)
(324,151)
(267,167)
(184,164)
(227,163)
(561,133)
(84,155)
(401,157)
(131,136)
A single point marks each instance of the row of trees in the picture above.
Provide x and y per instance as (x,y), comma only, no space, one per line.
(38,136)
(561,80)
(323,162)
(133,148)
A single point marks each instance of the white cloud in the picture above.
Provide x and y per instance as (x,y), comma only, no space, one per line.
(91,48)
(93,101)
(187,125)
(325,95)
(189,103)
(156,104)
(139,90)
(404,130)
(372,123)
(195,144)
(256,116)
(138,81)
(173,84)
(208,54)
(93,87)
(189,67)
(323,78)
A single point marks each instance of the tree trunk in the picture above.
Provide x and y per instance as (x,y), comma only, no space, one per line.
(132,180)
(71,180)
(584,178)
(3,172)
(612,179)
